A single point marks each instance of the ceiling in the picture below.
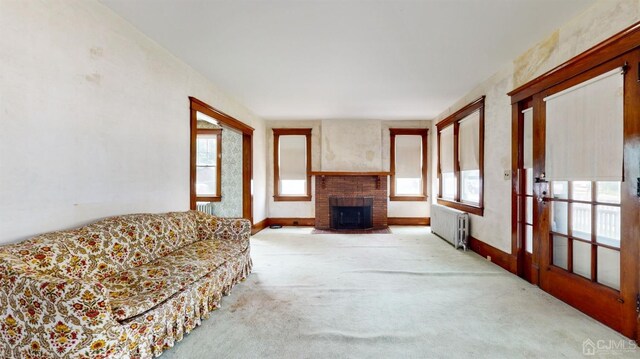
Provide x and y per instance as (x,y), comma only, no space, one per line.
(302,59)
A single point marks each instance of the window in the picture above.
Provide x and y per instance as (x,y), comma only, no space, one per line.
(208,144)
(408,164)
(461,158)
(292,164)
(208,157)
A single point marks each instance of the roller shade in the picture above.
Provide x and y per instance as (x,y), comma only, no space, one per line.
(446,150)
(292,157)
(584,130)
(408,156)
(528,137)
(469,142)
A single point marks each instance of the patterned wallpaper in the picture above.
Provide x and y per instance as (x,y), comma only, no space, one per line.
(231,204)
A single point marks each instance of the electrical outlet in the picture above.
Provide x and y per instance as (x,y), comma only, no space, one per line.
(507,175)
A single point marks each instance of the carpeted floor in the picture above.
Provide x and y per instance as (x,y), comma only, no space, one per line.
(402,295)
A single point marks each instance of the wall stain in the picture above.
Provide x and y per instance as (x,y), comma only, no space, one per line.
(329,154)
(96,52)
(527,65)
(370,154)
(94,77)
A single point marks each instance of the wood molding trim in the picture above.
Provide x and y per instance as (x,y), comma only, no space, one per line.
(461,113)
(338,173)
(409,221)
(200,106)
(257,227)
(461,206)
(424,134)
(302,222)
(277,132)
(408,198)
(498,257)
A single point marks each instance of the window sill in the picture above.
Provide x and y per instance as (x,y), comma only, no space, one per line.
(408,198)
(292,198)
(465,207)
(209,199)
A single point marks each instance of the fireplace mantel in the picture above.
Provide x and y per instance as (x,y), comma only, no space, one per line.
(339,173)
(323,174)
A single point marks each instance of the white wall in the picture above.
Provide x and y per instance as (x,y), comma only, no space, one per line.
(595,24)
(343,145)
(94,119)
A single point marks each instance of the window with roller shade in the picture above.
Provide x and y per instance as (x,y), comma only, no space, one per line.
(408,164)
(468,157)
(292,164)
(460,158)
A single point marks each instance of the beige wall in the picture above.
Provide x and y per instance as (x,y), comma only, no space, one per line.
(597,23)
(343,145)
(95,119)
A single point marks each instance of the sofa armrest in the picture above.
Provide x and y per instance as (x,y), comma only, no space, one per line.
(43,314)
(228,229)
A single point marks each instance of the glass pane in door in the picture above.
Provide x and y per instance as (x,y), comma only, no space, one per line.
(581,190)
(582,259)
(608,225)
(609,267)
(608,192)
(559,217)
(529,238)
(581,218)
(560,189)
(560,252)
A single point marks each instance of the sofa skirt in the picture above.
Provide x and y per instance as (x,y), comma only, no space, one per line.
(149,334)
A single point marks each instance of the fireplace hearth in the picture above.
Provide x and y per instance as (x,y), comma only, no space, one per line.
(351,212)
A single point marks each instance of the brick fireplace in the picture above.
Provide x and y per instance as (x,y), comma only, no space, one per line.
(352,192)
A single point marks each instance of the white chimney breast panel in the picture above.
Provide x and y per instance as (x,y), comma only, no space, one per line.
(351,145)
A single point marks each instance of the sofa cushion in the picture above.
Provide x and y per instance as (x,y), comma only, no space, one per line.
(139,289)
(44,254)
(116,244)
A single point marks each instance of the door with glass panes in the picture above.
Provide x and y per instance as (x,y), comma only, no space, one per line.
(584,192)
(577,215)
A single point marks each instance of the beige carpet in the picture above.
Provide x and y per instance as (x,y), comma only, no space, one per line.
(402,295)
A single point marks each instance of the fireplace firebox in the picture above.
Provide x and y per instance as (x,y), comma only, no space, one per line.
(351,212)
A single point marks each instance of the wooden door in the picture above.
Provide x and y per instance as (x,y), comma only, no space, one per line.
(588,231)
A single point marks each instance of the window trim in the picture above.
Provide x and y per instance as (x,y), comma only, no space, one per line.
(454,120)
(218,133)
(277,132)
(424,133)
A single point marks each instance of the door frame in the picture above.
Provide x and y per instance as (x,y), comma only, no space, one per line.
(247,152)
(626,43)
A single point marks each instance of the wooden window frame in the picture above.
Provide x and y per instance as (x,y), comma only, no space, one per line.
(423,133)
(247,152)
(454,120)
(277,132)
(218,133)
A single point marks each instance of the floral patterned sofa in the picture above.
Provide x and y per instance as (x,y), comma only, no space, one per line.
(124,287)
